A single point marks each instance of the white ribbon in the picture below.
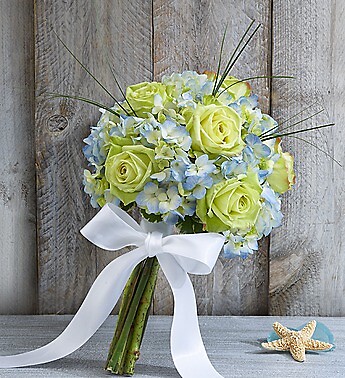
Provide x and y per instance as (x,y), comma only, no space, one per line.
(113,229)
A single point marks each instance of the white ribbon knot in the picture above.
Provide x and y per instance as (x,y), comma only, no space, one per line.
(153,243)
(113,229)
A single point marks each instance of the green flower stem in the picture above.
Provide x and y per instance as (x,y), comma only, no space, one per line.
(117,354)
(127,297)
(139,325)
(132,319)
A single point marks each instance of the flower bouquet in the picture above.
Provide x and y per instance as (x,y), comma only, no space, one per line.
(193,151)
(194,154)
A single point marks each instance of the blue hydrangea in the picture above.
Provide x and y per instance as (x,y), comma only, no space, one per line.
(126,126)
(234,167)
(94,150)
(262,174)
(254,162)
(188,88)
(169,200)
(150,132)
(188,207)
(266,123)
(202,167)
(260,150)
(110,198)
(171,217)
(158,104)
(173,133)
(147,199)
(245,105)
(163,175)
(256,122)
(197,185)
(198,177)
(249,157)
(240,246)
(270,215)
(164,152)
(179,168)
(160,200)
(93,186)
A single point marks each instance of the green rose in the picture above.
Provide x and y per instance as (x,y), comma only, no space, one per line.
(215,130)
(232,204)
(283,176)
(235,88)
(142,96)
(231,85)
(128,169)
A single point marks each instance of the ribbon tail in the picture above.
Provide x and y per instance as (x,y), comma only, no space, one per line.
(187,348)
(98,304)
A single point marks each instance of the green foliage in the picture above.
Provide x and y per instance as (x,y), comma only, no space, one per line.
(153,218)
(189,226)
(127,207)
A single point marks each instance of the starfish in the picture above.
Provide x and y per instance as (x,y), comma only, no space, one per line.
(297,342)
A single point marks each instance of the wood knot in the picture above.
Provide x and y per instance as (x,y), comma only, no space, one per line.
(57,123)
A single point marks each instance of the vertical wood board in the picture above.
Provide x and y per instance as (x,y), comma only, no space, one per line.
(97,32)
(187,36)
(306,256)
(17,183)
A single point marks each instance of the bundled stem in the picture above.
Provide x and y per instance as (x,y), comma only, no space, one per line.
(125,347)
(127,296)
(139,324)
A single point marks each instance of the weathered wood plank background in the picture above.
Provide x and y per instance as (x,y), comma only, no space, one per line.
(17,182)
(300,270)
(307,261)
(186,36)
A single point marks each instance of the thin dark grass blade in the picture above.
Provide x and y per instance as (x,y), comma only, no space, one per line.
(219,61)
(256,77)
(226,73)
(86,100)
(90,73)
(119,86)
(317,147)
(298,131)
(289,127)
(297,114)
(233,54)
(241,51)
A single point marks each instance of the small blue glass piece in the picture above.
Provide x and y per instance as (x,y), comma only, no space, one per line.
(321,333)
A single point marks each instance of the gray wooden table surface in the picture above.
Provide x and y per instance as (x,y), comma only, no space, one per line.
(232,343)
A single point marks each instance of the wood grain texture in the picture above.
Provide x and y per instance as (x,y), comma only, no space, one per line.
(96,31)
(307,267)
(145,40)
(187,36)
(232,343)
(17,182)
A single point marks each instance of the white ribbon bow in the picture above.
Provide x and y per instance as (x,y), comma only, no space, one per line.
(113,229)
